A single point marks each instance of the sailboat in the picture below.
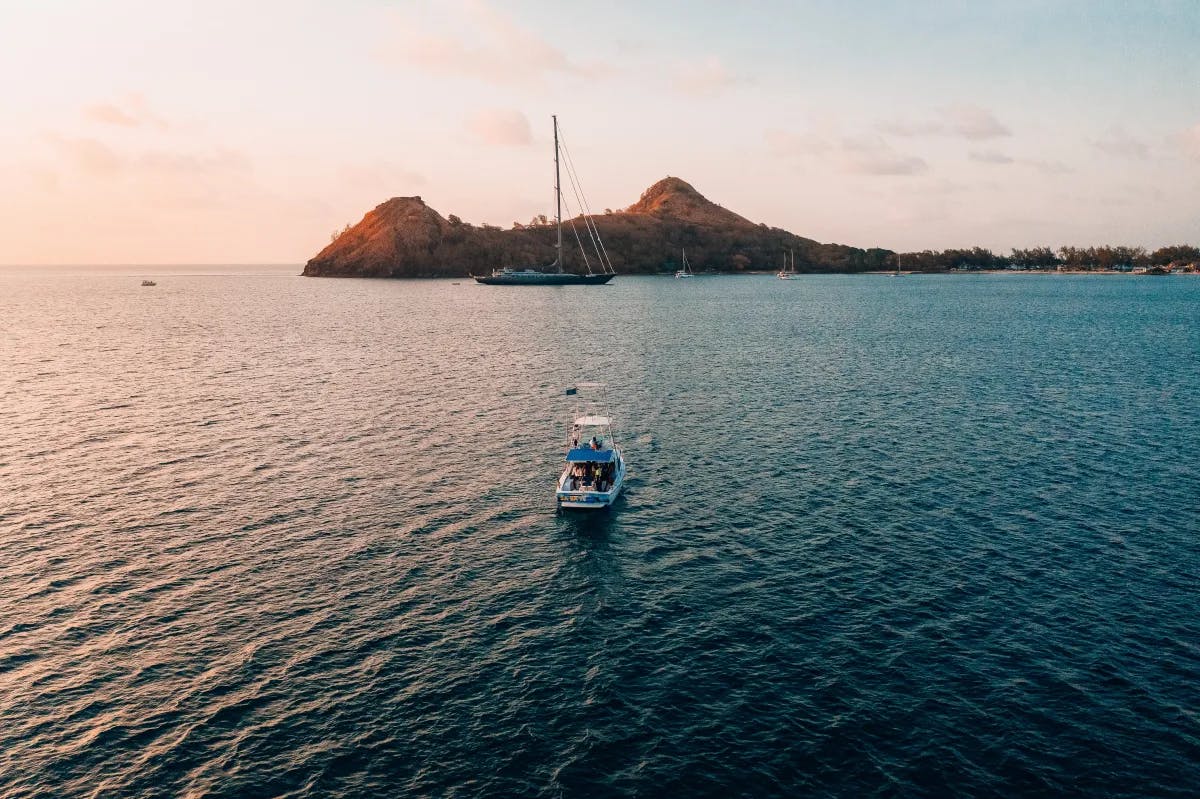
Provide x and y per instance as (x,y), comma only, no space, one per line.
(685,271)
(595,468)
(897,272)
(553,275)
(787,273)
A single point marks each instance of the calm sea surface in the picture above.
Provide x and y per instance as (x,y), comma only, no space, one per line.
(263,535)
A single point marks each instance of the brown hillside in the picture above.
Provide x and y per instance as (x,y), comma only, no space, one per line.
(672,198)
(404,237)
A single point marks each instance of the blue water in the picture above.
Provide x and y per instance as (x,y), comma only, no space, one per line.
(262,535)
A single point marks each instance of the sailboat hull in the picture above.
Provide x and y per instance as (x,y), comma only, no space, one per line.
(532,278)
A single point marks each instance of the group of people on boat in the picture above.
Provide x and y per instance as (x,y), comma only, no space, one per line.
(591,477)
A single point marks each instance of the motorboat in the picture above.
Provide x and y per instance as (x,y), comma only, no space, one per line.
(149,283)
(595,468)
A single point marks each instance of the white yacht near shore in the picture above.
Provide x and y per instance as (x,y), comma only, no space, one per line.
(789,270)
(554,274)
(686,270)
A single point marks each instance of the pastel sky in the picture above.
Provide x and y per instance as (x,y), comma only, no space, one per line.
(166,131)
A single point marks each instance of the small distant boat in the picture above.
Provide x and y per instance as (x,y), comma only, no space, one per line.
(149,283)
(788,272)
(686,270)
(553,275)
(595,468)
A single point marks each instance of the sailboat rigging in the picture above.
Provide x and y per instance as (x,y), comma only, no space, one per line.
(685,270)
(788,272)
(554,275)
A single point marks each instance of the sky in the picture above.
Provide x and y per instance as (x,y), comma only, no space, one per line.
(172,131)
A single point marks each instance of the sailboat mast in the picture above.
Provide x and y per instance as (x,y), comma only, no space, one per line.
(557,200)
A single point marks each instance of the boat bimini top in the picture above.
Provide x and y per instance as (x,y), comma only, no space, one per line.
(592,421)
(589,455)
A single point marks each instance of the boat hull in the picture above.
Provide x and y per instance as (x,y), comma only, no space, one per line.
(589,500)
(542,279)
(584,499)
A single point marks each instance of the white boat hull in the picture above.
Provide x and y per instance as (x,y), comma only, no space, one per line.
(586,499)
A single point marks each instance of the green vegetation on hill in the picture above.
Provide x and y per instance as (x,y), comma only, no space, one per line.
(404,237)
(1106,258)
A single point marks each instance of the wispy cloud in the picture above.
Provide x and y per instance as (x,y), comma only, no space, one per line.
(862,155)
(482,43)
(990,157)
(94,158)
(704,78)
(1116,141)
(974,123)
(1188,141)
(379,176)
(1048,167)
(908,128)
(966,121)
(132,111)
(86,155)
(502,127)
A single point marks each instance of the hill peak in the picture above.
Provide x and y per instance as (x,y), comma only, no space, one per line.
(675,197)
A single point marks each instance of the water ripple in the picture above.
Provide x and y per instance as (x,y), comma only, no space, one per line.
(282,537)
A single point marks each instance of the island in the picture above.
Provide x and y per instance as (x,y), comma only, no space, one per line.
(405,238)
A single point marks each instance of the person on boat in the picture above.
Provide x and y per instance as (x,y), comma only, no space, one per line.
(593,443)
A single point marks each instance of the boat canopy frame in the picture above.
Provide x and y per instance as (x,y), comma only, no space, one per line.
(587,417)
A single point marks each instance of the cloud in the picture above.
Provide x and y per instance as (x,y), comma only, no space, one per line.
(379,176)
(110,115)
(974,123)
(860,155)
(132,112)
(484,44)
(86,155)
(1048,167)
(786,143)
(192,164)
(967,121)
(502,127)
(908,128)
(989,157)
(871,155)
(95,158)
(1188,141)
(704,78)
(1119,143)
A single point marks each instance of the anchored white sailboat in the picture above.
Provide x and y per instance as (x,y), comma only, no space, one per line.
(685,271)
(553,275)
(595,469)
(788,272)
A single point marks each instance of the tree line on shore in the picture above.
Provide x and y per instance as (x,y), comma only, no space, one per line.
(1104,258)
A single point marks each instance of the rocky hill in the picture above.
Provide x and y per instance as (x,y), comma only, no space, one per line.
(404,237)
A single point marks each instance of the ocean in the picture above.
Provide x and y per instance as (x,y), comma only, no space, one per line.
(264,535)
